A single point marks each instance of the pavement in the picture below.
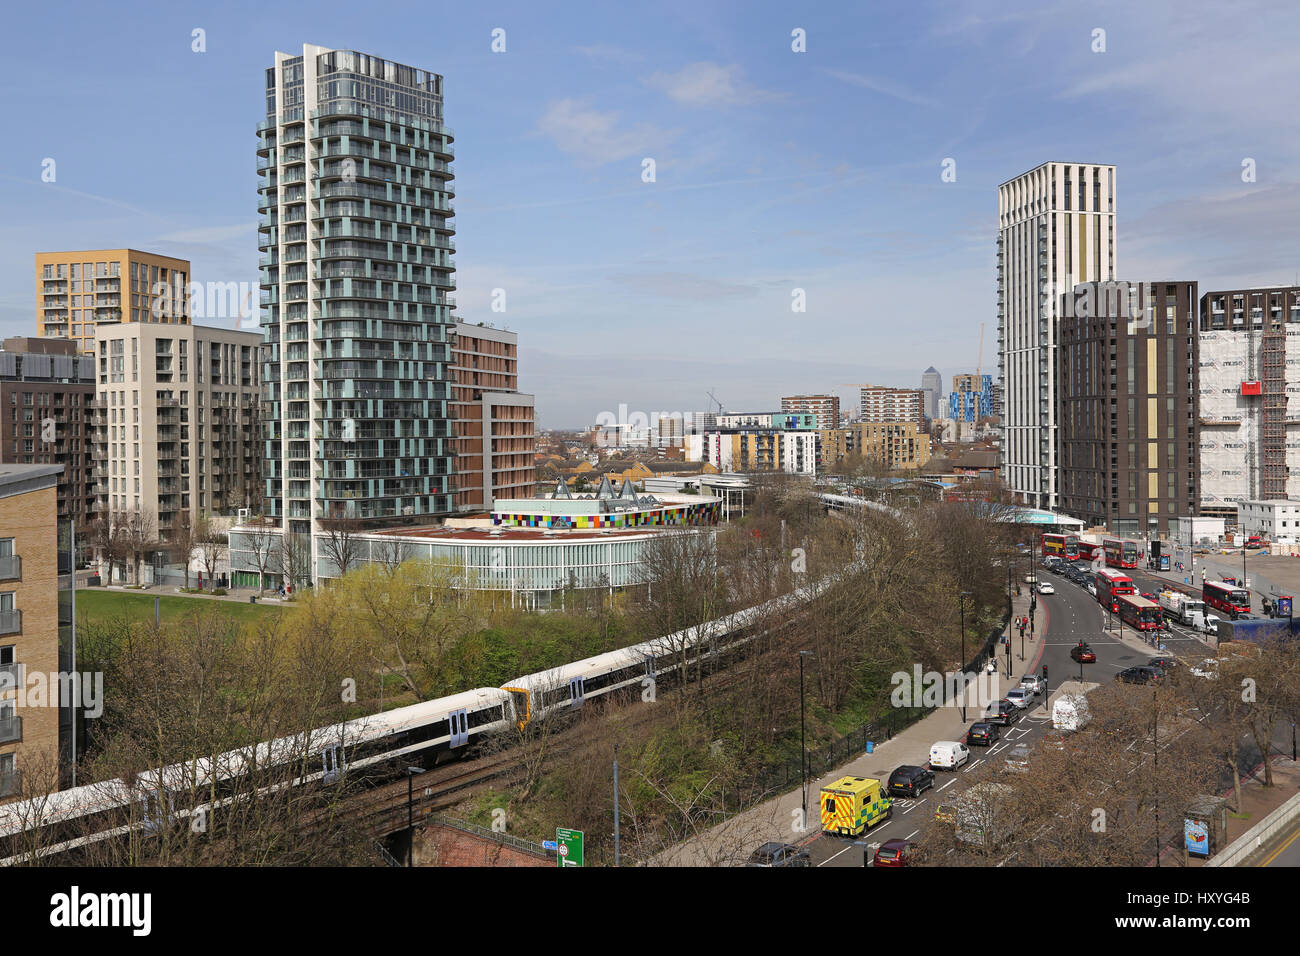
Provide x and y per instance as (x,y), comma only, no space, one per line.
(784,819)
(239,595)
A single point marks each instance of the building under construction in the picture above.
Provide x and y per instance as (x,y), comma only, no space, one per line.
(1250,441)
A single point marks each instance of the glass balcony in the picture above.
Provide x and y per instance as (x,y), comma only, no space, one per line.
(11,568)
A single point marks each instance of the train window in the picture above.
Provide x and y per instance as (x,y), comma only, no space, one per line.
(649,665)
(576,691)
(521,705)
(333,762)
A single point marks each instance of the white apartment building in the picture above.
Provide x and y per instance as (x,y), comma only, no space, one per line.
(880,403)
(1056,229)
(176,420)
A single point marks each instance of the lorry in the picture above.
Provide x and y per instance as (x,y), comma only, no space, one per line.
(1183,608)
(852,805)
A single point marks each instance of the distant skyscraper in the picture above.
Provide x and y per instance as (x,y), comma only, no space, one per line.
(932,387)
(1056,228)
(356,268)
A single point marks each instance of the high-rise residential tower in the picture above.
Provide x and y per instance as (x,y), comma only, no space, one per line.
(356,240)
(1056,228)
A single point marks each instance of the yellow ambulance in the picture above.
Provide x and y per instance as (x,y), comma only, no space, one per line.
(851,805)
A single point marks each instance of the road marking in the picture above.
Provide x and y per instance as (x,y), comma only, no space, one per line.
(841,853)
(948,784)
(974,765)
(1276,853)
(914,806)
(915,832)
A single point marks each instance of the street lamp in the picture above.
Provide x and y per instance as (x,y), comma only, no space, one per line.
(961,602)
(410,813)
(803,748)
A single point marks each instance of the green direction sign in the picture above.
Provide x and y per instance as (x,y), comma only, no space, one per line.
(569,851)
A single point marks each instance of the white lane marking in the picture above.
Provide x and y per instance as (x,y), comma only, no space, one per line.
(914,806)
(948,784)
(974,765)
(912,834)
(841,853)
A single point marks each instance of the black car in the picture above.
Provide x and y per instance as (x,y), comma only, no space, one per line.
(1003,712)
(779,854)
(983,734)
(909,781)
(1164,664)
(1142,674)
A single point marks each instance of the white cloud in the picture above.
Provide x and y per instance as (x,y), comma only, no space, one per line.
(884,87)
(710,84)
(596,138)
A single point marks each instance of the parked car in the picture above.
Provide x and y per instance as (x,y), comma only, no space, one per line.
(909,781)
(1082,653)
(779,854)
(1091,588)
(948,755)
(1208,668)
(1165,664)
(897,853)
(1003,712)
(982,734)
(1139,675)
(1017,759)
(1045,587)
(1022,697)
(1034,683)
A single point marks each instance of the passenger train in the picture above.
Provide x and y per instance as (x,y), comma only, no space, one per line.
(424,733)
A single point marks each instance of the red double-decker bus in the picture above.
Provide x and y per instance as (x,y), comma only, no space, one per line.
(1121,552)
(1110,586)
(1226,597)
(1088,551)
(1062,545)
(1139,613)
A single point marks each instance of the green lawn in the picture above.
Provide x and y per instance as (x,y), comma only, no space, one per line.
(98,604)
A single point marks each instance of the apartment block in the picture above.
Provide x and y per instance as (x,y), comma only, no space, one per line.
(495,438)
(46,387)
(1056,229)
(1249,373)
(355,234)
(880,403)
(898,446)
(29,626)
(825,407)
(75,291)
(758,449)
(177,421)
(1127,421)
(971,398)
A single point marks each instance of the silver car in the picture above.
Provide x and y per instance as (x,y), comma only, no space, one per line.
(1020,696)
(1032,683)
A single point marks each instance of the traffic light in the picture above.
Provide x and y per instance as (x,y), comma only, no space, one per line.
(1044,673)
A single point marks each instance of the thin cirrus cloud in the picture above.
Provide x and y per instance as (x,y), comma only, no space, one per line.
(884,87)
(595,137)
(680,285)
(711,84)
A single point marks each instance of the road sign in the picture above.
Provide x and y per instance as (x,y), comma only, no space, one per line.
(569,851)
(549,844)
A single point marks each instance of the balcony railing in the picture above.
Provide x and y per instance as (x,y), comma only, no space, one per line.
(11,622)
(11,567)
(11,730)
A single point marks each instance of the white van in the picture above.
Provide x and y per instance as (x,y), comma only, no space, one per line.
(1070,712)
(948,755)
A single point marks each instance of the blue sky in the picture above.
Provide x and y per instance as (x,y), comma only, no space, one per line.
(775,170)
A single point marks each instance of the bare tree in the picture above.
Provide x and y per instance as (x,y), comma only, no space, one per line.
(292,560)
(263,540)
(213,543)
(182,543)
(109,543)
(141,537)
(341,542)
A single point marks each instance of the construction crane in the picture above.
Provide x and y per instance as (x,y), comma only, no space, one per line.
(715,399)
(979,362)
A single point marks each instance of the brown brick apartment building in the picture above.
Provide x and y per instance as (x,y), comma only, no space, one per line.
(495,439)
(46,387)
(1128,386)
(29,624)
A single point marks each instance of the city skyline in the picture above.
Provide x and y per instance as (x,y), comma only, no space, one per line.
(552,208)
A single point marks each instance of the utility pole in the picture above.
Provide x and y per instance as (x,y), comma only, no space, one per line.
(961,601)
(803,747)
(616,843)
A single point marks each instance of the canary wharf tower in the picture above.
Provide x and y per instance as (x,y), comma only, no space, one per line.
(356,267)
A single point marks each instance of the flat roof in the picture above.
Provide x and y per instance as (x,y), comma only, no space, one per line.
(506,533)
(17,479)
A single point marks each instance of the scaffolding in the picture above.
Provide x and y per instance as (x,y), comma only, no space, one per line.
(1272,419)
